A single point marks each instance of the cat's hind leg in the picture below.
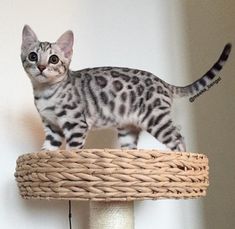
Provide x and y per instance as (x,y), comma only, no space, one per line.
(128,137)
(162,128)
(169,135)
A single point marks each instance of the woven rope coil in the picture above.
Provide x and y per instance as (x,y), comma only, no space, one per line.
(111,175)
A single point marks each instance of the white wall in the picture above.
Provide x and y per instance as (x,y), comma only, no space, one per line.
(177,40)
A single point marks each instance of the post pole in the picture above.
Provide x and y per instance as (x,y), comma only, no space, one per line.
(111,215)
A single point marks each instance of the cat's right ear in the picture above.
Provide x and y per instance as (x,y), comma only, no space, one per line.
(28,37)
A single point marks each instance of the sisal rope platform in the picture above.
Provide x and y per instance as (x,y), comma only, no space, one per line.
(112,175)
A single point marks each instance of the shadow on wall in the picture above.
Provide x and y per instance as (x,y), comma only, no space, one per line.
(210,25)
(23,131)
(100,139)
(32,126)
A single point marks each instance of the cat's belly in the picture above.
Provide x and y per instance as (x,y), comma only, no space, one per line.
(102,122)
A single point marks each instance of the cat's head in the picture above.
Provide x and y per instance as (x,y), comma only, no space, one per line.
(44,62)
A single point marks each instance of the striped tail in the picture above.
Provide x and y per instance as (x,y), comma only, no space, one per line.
(206,79)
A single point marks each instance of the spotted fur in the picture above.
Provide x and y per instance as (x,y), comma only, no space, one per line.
(71,103)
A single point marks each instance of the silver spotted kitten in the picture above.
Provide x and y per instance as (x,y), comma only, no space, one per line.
(71,103)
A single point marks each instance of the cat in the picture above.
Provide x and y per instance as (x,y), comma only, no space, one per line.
(71,103)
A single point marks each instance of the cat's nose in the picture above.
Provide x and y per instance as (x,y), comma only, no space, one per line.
(41,67)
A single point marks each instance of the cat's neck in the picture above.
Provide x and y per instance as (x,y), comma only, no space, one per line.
(44,90)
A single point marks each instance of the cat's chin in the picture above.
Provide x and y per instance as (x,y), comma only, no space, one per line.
(42,79)
(39,79)
(41,75)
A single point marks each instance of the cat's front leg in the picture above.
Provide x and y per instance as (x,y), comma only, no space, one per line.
(53,137)
(75,133)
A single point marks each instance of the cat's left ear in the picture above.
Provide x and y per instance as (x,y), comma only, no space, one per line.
(65,42)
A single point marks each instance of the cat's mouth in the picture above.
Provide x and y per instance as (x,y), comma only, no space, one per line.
(41,74)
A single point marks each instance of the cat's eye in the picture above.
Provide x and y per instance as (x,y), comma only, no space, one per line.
(33,56)
(53,59)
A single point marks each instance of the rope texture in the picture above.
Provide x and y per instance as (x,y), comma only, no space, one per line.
(111,175)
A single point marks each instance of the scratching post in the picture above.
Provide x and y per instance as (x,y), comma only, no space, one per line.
(111,179)
(115,215)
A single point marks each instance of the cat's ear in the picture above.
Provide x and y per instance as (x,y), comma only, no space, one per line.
(65,42)
(28,37)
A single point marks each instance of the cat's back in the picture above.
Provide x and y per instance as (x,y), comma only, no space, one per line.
(103,75)
(114,71)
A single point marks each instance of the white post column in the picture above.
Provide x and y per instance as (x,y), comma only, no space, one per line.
(111,215)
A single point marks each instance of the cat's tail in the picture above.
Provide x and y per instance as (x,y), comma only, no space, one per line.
(207,80)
